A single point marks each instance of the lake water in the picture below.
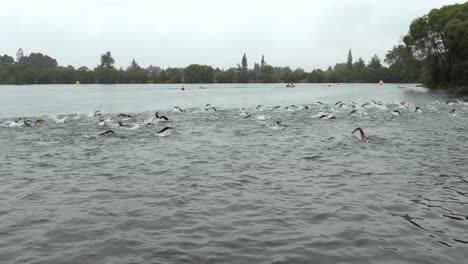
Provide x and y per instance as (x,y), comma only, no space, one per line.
(224,188)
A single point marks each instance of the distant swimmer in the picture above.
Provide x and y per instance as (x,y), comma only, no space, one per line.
(452,111)
(40,120)
(352,112)
(396,113)
(341,105)
(279,123)
(28,123)
(178,109)
(418,109)
(122,124)
(167,131)
(339,102)
(361,135)
(107,132)
(242,111)
(162,118)
(214,108)
(103,121)
(126,115)
(365,104)
(327,117)
(247,117)
(320,103)
(277,107)
(259,107)
(97,113)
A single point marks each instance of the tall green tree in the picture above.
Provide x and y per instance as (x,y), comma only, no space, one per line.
(107,61)
(350,61)
(39,60)
(403,67)
(199,74)
(19,55)
(440,41)
(244,63)
(5,59)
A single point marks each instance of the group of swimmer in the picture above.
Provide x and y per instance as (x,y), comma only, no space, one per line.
(167,130)
(26,121)
(103,120)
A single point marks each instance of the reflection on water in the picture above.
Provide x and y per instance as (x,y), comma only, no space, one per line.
(224,188)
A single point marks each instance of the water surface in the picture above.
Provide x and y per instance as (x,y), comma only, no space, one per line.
(225,189)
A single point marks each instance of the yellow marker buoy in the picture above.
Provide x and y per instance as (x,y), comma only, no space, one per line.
(381,82)
(77,82)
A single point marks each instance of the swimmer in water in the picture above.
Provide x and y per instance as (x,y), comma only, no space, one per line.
(167,131)
(125,115)
(179,109)
(28,123)
(418,109)
(279,123)
(396,112)
(164,118)
(122,124)
(277,107)
(327,116)
(107,132)
(361,136)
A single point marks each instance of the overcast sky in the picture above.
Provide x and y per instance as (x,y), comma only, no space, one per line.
(297,33)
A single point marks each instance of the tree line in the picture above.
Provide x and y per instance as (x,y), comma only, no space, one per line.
(37,68)
(434,52)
